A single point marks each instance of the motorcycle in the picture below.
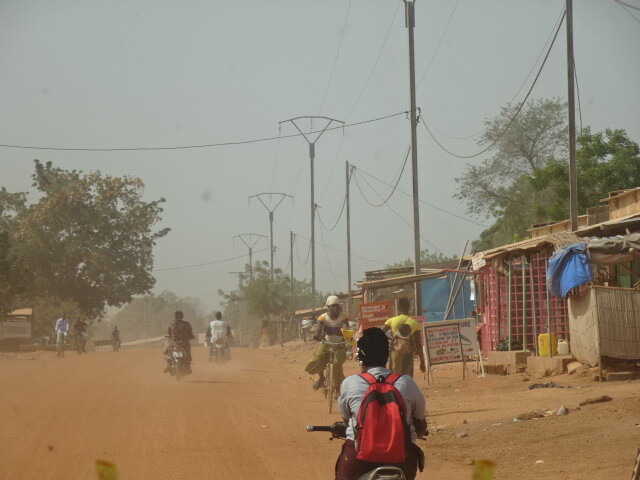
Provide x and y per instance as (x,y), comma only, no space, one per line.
(178,366)
(383,472)
(219,351)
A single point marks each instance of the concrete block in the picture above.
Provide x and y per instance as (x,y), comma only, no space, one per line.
(539,366)
(508,358)
(619,376)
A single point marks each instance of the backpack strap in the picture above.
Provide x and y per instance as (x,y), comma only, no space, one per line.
(392,378)
(370,379)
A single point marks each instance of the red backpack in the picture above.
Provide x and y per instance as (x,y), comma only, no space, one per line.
(382,432)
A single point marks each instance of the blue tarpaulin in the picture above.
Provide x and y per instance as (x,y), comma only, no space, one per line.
(568,268)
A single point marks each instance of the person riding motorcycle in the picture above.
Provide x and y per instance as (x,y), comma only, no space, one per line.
(373,353)
(180,333)
(329,330)
(219,332)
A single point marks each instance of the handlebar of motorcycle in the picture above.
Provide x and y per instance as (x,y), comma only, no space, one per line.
(319,428)
(337,429)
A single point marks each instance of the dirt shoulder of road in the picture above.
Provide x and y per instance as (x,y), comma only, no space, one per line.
(513,420)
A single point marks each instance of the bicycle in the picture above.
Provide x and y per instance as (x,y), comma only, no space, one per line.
(60,344)
(330,388)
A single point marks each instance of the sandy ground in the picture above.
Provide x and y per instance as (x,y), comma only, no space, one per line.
(246,419)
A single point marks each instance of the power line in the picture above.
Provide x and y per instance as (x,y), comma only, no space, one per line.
(444,32)
(204,264)
(335,60)
(375,64)
(423,201)
(326,253)
(186,147)
(620,2)
(342,251)
(393,188)
(520,107)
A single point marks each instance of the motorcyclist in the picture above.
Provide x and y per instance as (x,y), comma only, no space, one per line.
(80,331)
(180,333)
(373,353)
(220,333)
(329,330)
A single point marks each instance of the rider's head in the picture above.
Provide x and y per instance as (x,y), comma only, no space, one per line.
(218,315)
(373,348)
(333,305)
(404,305)
(178,315)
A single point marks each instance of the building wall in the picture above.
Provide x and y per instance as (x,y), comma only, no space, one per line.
(514,303)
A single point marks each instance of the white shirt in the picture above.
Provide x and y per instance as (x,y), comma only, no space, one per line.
(332,332)
(62,325)
(218,329)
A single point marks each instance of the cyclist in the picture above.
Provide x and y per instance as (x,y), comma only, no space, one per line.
(61,329)
(329,330)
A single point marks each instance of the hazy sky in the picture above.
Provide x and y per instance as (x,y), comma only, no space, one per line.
(140,74)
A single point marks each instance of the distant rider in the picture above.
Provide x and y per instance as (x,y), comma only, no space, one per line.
(329,331)
(180,333)
(220,332)
(61,329)
(80,331)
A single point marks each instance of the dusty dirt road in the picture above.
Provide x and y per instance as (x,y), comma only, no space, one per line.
(246,419)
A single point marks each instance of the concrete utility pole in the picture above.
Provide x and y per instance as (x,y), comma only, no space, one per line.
(291,266)
(410,23)
(312,154)
(271,210)
(349,300)
(253,238)
(573,175)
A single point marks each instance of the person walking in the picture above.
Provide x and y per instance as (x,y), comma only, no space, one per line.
(406,340)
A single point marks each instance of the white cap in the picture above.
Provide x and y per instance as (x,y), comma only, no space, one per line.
(332,300)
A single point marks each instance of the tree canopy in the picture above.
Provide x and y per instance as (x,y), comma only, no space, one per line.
(87,240)
(526,181)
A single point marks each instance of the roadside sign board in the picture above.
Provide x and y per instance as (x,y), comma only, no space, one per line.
(374,314)
(443,343)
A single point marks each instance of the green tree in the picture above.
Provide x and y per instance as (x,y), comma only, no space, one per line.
(13,278)
(501,187)
(426,258)
(262,298)
(605,162)
(267,297)
(89,238)
(149,316)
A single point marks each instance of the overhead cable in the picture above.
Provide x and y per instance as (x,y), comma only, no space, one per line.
(185,147)
(206,263)
(360,171)
(393,189)
(335,60)
(520,107)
